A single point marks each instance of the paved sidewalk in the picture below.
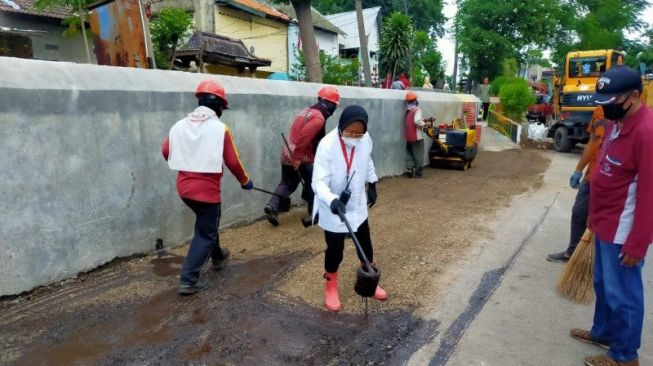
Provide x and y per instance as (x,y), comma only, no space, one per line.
(502,308)
(525,322)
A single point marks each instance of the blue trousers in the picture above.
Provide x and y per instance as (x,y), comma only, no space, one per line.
(205,243)
(619,310)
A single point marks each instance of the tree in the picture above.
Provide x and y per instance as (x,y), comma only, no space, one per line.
(78,22)
(427,14)
(168,30)
(363,43)
(334,70)
(427,59)
(307,36)
(396,39)
(602,26)
(491,31)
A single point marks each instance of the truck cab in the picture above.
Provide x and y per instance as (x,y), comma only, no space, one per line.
(575,94)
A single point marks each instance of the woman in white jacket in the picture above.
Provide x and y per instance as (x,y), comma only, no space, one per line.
(343,163)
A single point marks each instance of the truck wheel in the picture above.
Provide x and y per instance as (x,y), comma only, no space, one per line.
(561,140)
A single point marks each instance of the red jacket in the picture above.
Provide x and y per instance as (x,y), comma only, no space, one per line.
(621,194)
(305,133)
(206,187)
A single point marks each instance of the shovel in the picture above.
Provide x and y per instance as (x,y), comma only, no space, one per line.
(283,201)
(367,277)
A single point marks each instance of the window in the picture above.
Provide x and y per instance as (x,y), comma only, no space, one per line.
(614,60)
(14,45)
(586,66)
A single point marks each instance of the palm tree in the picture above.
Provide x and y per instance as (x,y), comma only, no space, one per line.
(396,40)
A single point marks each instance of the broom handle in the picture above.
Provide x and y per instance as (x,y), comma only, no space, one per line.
(356,243)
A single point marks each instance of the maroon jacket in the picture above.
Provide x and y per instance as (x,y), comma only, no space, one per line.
(305,133)
(621,194)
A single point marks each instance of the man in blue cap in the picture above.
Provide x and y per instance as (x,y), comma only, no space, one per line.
(621,216)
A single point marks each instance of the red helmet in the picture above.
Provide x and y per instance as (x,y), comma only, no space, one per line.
(411,96)
(329,93)
(212,87)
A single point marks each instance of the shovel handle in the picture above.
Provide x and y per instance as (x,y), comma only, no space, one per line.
(268,192)
(356,243)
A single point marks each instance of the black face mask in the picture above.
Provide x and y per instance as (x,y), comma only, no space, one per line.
(212,103)
(616,111)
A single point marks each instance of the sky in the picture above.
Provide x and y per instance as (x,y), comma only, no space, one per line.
(446,43)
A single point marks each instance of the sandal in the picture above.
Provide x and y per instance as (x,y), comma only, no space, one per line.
(604,360)
(585,336)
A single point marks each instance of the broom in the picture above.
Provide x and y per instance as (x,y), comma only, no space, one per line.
(576,283)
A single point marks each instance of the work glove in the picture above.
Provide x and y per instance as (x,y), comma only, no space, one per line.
(337,207)
(574,181)
(371,194)
(247,186)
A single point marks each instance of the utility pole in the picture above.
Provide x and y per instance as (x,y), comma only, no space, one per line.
(365,56)
(455,52)
(410,50)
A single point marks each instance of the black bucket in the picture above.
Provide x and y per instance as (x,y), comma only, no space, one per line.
(367,282)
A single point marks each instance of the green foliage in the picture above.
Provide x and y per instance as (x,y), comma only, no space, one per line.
(396,39)
(427,60)
(492,31)
(168,31)
(496,84)
(601,26)
(334,70)
(515,96)
(427,14)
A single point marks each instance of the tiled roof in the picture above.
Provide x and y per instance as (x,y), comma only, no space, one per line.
(28,7)
(222,50)
(257,7)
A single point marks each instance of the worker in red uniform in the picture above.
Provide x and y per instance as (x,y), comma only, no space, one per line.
(197,146)
(297,163)
(414,141)
(621,214)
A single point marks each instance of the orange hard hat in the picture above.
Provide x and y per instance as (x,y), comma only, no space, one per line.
(411,96)
(329,93)
(212,87)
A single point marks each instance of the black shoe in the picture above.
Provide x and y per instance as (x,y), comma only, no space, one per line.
(418,173)
(271,215)
(219,264)
(186,289)
(558,257)
(307,221)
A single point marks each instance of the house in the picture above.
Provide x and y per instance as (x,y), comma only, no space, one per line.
(262,29)
(349,41)
(216,54)
(27,32)
(326,34)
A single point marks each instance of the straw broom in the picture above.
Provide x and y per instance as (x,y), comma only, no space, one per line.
(576,283)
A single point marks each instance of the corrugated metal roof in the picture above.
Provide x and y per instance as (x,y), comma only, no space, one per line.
(28,7)
(348,22)
(319,21)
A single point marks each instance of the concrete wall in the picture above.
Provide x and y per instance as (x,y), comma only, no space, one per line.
(51,44)
(83,179)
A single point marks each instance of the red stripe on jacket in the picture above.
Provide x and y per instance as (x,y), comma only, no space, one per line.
(206,187)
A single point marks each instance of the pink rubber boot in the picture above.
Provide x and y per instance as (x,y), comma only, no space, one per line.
(331,297)
(380,294)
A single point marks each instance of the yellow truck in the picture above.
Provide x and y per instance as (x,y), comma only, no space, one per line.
(574,94)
